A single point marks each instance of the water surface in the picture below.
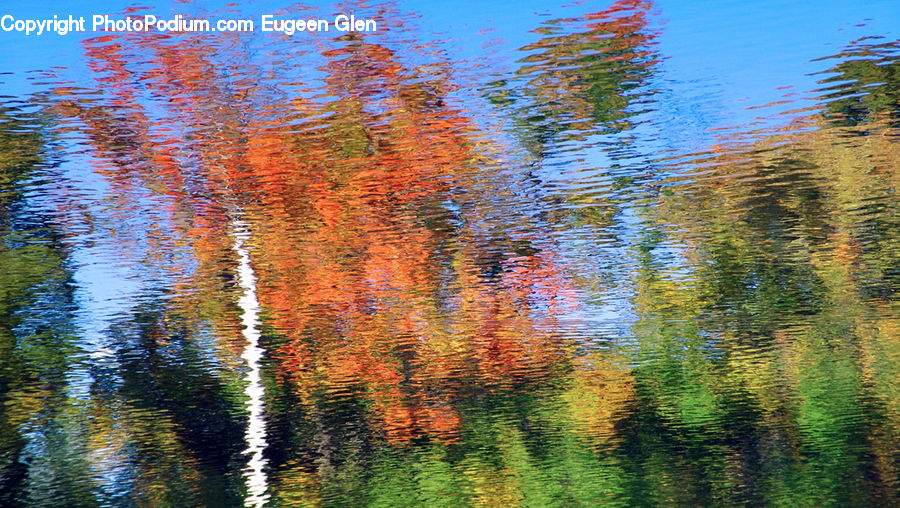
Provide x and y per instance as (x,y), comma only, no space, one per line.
(539,254)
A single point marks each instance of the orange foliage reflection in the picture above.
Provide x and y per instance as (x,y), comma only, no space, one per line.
(370,274)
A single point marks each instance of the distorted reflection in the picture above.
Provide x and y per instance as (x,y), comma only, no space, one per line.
(301,271)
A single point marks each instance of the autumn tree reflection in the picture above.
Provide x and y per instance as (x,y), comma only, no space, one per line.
(43,442)
(424,343)
(392,320)
(581,78)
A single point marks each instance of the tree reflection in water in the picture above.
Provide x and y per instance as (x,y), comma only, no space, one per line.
(344,293)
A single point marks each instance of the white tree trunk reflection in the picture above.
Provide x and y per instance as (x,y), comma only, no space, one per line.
(255,438)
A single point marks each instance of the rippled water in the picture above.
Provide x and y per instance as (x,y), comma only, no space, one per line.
(530,255)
